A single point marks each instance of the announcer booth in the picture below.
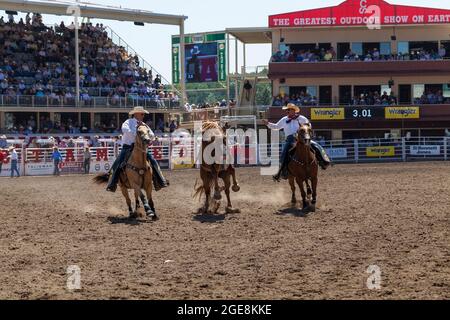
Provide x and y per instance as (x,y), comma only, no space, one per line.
(365,48)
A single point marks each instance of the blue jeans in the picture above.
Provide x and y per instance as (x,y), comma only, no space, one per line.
(288,144)
(14,168)
(56,169)
(120,161)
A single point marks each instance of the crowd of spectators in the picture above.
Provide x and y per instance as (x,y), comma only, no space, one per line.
(305,55)
(36,60)
(432,97)
(318,55)
(374,99)
(302,99)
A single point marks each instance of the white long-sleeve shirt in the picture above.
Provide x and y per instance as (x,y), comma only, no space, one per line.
(291,127)
(14,156)
(129,132)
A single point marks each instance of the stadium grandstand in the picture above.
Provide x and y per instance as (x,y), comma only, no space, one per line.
(38,72)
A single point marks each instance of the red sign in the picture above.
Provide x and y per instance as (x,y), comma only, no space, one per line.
(360,13)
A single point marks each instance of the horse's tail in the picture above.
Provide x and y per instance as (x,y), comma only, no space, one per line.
(199,190)
(101,179)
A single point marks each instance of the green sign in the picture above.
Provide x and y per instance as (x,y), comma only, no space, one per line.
(222,53)
(176,64)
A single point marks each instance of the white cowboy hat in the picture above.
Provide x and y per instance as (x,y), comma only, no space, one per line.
(138,110)
(292,106)
(11,148)
(3,137)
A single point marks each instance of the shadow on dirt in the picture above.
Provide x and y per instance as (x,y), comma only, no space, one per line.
(210,218)
(295,211)
(128,221)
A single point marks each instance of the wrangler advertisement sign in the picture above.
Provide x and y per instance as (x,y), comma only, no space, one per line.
(327,114)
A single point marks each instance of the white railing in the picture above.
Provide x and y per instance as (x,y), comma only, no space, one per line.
(180,153)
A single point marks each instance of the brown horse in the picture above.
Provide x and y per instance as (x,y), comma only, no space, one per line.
(303,168)
(210,173)
(137,175)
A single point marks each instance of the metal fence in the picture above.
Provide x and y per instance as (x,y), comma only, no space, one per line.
(179,153)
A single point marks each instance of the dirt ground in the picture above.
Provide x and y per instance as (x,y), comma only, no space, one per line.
(394,216)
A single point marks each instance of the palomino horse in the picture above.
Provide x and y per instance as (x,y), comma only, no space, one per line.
(136,175)
(210,173)
(303,167)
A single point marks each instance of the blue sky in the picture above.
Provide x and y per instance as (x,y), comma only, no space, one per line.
(153,42)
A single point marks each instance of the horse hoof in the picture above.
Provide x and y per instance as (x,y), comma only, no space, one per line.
(133,215)
(236,188)
(230,210)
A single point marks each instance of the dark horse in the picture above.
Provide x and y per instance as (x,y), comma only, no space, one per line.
(210,174)
(136,175)
(303,169)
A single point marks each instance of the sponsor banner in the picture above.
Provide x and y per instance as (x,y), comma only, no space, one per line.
(6,170)
(318,114)
(402,113)
(361,12)
(376,152)
(337,153)
(98,167)
(69,167)
(425,150)
(39,168)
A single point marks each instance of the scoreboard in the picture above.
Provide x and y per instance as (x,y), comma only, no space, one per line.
(363,113)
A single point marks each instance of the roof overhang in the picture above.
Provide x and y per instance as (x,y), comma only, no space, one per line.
(62,8)
(251,35)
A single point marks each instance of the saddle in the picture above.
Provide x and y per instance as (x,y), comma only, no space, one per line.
(125,165)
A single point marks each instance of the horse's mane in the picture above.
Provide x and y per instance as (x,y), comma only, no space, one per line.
(211,125)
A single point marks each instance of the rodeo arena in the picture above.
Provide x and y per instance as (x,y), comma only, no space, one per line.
(116,185)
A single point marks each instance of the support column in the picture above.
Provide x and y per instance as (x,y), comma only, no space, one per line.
(182,68)
(236,88)
(245,58)
(38,122)
(92,120)
(2,121)
(228,74)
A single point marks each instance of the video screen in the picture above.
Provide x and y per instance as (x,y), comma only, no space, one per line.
(201,62)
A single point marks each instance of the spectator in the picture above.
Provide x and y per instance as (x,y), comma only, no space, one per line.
(14,157)
(3,142)
(87,160)
(442,52)
(248,87)
(172,126)
(57,159)
(2,158)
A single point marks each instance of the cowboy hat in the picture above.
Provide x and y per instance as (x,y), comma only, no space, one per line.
(138,110)
(292,106)
(11,148)
(3,137)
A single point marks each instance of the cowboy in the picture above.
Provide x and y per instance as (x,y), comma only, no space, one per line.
(57,159)
(87,160)
(129,128)
(14,157)
(290,124)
